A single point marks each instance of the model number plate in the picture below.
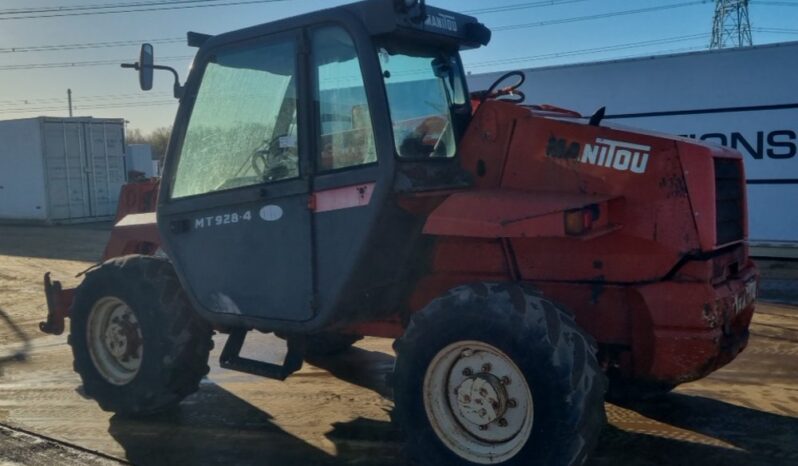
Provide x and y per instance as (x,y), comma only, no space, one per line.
(222,219)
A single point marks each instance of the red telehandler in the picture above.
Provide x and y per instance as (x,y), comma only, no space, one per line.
(330,177)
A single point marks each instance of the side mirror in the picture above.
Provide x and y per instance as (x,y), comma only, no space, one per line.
(146,69)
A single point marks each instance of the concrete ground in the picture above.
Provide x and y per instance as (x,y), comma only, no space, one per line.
(336,410)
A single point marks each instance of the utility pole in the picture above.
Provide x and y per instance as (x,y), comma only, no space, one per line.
(731,26)
(69,97)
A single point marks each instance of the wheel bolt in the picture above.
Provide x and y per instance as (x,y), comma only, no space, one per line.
(505,380)
(467,372)
(486,367)
(502,422)
(512,403)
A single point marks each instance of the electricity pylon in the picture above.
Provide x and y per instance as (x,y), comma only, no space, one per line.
(731,26)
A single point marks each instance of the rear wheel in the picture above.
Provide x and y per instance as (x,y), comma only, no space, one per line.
(496,374)
(138,346)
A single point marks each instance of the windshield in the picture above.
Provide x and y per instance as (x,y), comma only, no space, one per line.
(242,130)
(422,90)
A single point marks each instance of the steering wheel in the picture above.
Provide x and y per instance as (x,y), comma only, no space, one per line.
(495,92)
(262,160)
(427,139)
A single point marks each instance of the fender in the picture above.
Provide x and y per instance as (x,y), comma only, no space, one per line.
(504,213)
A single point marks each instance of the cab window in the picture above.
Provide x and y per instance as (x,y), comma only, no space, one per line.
(423,89)
(346,134)
(243,126)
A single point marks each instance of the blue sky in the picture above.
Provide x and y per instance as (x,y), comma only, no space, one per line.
(108,91)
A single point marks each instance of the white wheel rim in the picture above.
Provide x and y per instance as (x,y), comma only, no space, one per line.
(478,402)
(114,340)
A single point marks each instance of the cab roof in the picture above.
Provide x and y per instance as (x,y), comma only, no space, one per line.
(418,22)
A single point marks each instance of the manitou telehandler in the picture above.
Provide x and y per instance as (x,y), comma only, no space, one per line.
(330,177)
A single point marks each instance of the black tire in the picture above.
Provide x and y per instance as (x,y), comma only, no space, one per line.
(175,342)
(557,359)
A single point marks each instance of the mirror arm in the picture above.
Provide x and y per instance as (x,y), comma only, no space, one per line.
(177,89)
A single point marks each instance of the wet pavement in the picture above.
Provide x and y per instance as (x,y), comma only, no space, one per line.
(336,411)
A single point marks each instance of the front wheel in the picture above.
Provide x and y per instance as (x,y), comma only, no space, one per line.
(496,374)
(138,345)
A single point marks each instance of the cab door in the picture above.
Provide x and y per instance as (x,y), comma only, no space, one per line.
(234,213)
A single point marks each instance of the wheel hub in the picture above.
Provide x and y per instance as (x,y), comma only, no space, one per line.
(114,340)
(481,399)
(478,402)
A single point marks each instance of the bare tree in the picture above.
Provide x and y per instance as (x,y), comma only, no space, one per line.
(157,138)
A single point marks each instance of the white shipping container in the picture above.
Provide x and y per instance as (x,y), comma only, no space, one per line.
(138,157)
(61,169)
(744,98)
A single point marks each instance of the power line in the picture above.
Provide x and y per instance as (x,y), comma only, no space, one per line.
(171,40)
(596,16)
(88,45)
(96,6)
(143,103)
(609,48)
(88,98)
(81,64)
(775,30)
(11,16)
(776,3)
(520,6)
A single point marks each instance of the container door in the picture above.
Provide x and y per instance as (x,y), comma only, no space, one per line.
(105,163)
(67,179)
(235,218)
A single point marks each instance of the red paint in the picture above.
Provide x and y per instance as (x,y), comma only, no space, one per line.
(502,213)
(667,320)
(342,198)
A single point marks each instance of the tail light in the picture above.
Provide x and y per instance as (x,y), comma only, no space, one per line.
(580,221)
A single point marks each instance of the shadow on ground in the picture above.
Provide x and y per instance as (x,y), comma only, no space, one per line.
(76,242)
(757,437)
(216,427)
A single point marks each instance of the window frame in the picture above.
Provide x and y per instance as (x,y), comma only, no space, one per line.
(276,188)
(314,88)
(460,114)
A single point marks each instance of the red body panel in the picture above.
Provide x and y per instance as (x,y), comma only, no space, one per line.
(504,213)
(664,301)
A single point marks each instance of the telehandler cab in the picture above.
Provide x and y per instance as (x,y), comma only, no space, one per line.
(330,177)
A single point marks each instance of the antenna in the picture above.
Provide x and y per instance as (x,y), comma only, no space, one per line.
(731,26)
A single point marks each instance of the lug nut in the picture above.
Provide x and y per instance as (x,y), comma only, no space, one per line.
(512,403)
(485,427)
(505,380)
(486,367)
(502,422)
(467,372)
